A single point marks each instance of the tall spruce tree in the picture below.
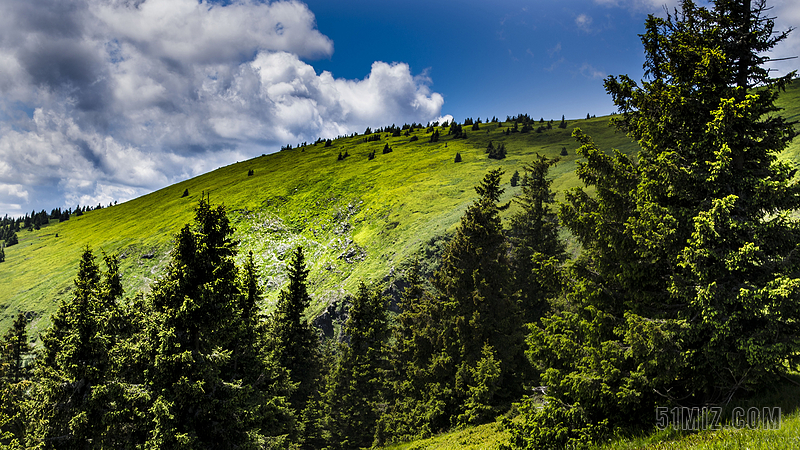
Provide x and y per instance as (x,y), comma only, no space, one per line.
(474,280)
(14,384)
(201,400)
(74,362)
(537,250)
(355,386)
(294,339)
(686,289)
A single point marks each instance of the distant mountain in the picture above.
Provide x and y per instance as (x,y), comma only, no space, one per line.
(363,216)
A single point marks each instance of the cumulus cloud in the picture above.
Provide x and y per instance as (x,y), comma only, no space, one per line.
(104,100)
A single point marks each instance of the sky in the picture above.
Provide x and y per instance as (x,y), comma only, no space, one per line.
(107,100)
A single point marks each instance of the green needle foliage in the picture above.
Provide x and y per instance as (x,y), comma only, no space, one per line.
(479,310)
(74,362)
(355,385)
(686,292)
(294,340)
(203,397)
(14,384)
(537,250)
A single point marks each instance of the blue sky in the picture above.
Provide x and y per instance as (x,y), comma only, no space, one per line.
(107,100)
(492,58)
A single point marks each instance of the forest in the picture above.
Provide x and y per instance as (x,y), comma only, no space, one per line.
(685,292)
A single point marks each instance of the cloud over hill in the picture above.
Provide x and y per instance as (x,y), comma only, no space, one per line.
(102,100)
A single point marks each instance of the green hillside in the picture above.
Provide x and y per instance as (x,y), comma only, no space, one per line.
(358,219)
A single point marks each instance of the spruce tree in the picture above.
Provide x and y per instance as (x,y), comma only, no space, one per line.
(355,386)
(537,250)
(200,399)
(74,362)
(14,384)
(294,339)
(474,280)
(685,245)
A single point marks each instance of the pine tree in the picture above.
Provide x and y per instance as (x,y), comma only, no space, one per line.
(458,157)
(537,250)
(201,397)
(685,244)
(515,179)
(294,340)
(355,386)
(2,253)
(75,361)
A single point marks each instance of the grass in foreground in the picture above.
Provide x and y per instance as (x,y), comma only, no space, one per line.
(782,435)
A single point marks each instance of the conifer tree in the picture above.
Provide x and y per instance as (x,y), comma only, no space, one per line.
(686,244)
(355,386)
(199,400)
(474,280)
(75,361)
(537,250)
(294,340)
(14,384)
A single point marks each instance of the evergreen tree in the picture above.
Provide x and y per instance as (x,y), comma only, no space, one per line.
(458,157)
(685,245)
(75,361)
(537,250)
(201,396)
(2,253)
(294,340)
(464,360)
(355,386)
(14,384)
(14,348)
(474,281)
(515,179)
(12,239)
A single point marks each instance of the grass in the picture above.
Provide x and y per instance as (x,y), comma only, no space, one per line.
(481,437)
(782,435)
(357,219)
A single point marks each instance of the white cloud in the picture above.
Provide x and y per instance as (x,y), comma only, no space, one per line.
(584,22)
(103,100)
(787,15)
(589,71)
(656,7)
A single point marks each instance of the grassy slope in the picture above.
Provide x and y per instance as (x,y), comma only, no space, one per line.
(784,435)
(357,219)
(784,395)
